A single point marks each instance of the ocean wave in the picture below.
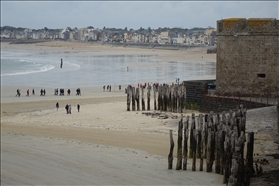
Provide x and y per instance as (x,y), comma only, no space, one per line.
(42,69)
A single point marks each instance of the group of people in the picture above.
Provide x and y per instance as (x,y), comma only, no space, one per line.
(18,94)
(61,92)
(43,92)
(68,108)
(108,88)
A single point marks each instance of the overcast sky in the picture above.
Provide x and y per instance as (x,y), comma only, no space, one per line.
(130,14)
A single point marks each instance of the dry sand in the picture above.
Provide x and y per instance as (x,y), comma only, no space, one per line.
(103,144)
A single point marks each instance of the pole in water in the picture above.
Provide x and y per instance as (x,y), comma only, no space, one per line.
(61,64)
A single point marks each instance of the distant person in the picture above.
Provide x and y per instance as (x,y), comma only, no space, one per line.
(44,91)
(67,108)
(17,93)
(27,92)
(57,105)
(61,64)
(69,92)
(119,87)
(104,88)
(33,92)
(78,107)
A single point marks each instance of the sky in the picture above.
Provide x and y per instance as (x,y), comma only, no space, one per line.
(130,14)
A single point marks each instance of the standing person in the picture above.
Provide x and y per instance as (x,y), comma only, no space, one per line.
(110,88)
(33,92)
(104,87)
(44,92)
(67,108)
(27,92)
(69,92)
(78,107)
(61,64)
(41,92)
(70,110)
(57,105)
(119,87)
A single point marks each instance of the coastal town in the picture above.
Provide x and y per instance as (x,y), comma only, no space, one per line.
(176,36)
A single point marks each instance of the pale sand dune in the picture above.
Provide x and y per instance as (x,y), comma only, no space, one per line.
(96,146)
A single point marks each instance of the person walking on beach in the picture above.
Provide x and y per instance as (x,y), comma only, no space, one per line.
(67,108)
(33,92)
(57,106)
(119,87)
(61,64)
(44,92)
(104,88)
(17,93)
(27,92)
(78,107)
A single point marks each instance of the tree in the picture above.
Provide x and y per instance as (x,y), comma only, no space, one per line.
(125,29)
(90,27)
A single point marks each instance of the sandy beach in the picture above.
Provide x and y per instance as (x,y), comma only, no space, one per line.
(103,144)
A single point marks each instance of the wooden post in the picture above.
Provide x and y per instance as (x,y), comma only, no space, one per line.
(170,156)
(142,99)
(128,99)
(133,99)
(179,146)
(194,146)
(249,154)
(155,105)
(202,149)
(193,126)
(137,99)
(148,98)
(185,150)
(208,147)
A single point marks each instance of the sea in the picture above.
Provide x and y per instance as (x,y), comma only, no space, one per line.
(35,69)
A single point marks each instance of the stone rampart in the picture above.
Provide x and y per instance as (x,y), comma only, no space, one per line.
(248,57)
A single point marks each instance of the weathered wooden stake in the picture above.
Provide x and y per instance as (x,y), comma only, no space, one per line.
(185,150)
(170,156)
(148,98)
(128,99)
(194,146)
(133,99)
(142,99)
(249,154)
(137,99)
(179,146)
(155,104)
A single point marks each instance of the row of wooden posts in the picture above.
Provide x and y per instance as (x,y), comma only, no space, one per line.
(170,98)
(218,138)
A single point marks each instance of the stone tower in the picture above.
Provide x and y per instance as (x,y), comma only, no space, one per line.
(248,57)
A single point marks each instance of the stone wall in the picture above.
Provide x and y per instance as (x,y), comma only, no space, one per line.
(195,90)
(197,93)
(248,57)
(219,104)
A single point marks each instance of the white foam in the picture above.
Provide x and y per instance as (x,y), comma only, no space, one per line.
(42,69)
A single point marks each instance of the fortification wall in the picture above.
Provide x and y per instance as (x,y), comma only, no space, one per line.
(248,57)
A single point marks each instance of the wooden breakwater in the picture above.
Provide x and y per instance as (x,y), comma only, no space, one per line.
(219,141)
(166,98)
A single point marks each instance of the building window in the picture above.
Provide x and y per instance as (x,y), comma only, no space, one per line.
(261,75)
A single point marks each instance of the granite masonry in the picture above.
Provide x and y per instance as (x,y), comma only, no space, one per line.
(248,57)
